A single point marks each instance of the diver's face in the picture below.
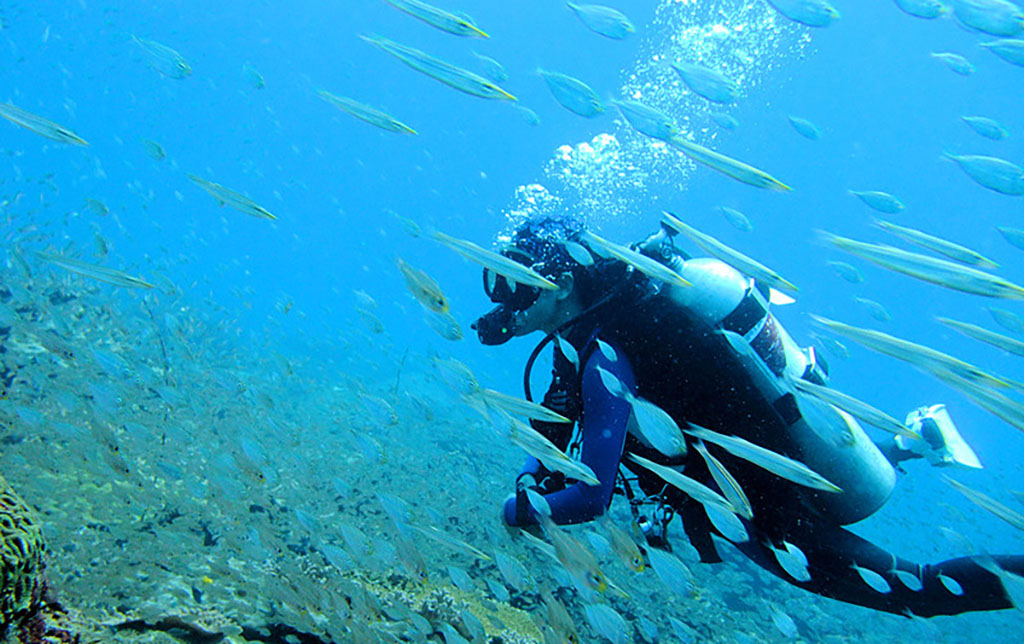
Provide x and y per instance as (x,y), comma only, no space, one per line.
(545,314)
(551,310)
(526,309)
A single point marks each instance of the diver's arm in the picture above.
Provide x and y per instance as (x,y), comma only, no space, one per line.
(604,433)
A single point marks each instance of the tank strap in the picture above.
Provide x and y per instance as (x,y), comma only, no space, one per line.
(747,314)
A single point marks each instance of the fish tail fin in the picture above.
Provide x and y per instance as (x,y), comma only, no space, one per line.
(825,237)
(373,39)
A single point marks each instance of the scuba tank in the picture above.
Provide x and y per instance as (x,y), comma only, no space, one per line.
(735,310)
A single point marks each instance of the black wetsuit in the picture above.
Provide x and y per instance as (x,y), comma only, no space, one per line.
(675,364)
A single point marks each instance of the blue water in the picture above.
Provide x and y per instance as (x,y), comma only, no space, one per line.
(886,110)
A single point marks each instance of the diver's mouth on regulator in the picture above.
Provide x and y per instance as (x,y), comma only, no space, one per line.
(497,326)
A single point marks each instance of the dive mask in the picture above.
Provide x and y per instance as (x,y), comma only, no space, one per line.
(498,326)
(510,293)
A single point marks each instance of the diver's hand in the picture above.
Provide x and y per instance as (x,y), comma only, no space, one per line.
(508,511)
(521,511)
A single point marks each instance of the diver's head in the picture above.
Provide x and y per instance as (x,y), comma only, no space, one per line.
(523,309)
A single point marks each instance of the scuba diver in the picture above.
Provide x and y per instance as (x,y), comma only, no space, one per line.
(712,355)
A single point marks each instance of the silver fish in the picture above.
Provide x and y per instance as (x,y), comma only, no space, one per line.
(608,623)
(908,579)
(695,490)
(986,127)
(521,407)
(728,166)
(986,397)
(154,150)
(955,62)
(538,446)
(444,324)
(606,21)
(568,351)
(880,201)
(1013,236)
(927,9)
(737,219)
(639,261)
(847,271)
(224,196)
(935,362)
(454,23)
(710,84)
(573,94)
(622,544)
(1005,343)
(672,572)
(996,17)
(652,425)
(253,76)
(579,561)
(443,537)
(1007,319)
(366,113)
(578,253)
(1009,49)
(606,350)
(855,408)
(725,481)
(452,76)
(874,309)
(873,579)
(733,258)
(39,125)
(647,120)
(930,269)
(792,560)
(991,172)
(728,524)
(777,464)
(725,121)
(805,128)
(784,622)
(945,247)
(813,13)
(500,264)
(101,273)
(164,59)
(952,585)
(1011,516)
(491,68)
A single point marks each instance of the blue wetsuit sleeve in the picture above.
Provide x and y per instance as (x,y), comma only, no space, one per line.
(604,423)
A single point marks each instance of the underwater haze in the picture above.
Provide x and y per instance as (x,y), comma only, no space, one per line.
(236,413)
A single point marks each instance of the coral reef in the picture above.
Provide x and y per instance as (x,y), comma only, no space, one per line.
(28,613)
(376,605)
(21,560)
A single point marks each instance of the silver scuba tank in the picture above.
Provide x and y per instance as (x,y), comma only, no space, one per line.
(830,442)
